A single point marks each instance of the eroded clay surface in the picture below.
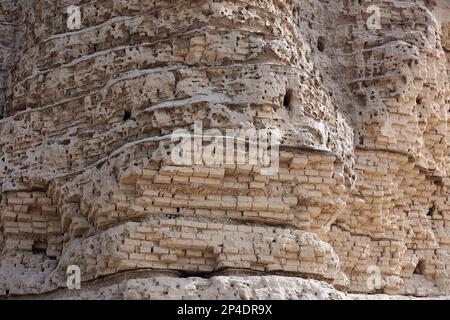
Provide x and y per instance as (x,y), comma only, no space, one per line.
(86,177)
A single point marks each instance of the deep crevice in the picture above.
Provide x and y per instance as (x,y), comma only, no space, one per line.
(287,99)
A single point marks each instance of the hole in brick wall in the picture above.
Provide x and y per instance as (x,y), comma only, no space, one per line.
(420,268)
(39,247)
(431,211)
(361,140)
(430,3)
(126,115)
(65,142)
(419,100)
(321,44)
(287,99)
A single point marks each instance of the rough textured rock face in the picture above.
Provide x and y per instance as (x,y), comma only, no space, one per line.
(87,178)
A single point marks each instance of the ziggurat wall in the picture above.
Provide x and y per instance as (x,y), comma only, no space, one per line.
(87,178)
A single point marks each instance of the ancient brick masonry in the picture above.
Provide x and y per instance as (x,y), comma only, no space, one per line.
(398,95)
(86,173)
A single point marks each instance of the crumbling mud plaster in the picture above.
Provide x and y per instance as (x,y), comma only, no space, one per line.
(87,176)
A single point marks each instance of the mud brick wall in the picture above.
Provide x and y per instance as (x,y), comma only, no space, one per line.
(87,177)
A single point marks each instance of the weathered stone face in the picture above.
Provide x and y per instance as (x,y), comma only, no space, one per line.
(86,169)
